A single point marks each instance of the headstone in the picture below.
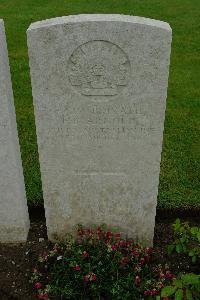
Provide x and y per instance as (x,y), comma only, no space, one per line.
(99,87)
(14,219)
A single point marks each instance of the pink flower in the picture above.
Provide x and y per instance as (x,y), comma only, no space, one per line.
(84,254)
(137,280)
(151,292)
(77,268)
(137,267)
(43,296)
(117,235)
(147,258)
(122,244)
(148,250)
(114,247)
(35,270)
(154,292)
(38,285)
(169,275)
(161,285)
(108,234)
(90,277)
(124,260)
(55,249)
(94,277)
(142,260)
(146,293)
(162,275)
(85,278)
(135,253)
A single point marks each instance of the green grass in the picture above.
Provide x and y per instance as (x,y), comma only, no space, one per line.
(179,186)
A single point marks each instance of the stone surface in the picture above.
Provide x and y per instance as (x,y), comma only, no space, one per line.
(99,87)
(14,219)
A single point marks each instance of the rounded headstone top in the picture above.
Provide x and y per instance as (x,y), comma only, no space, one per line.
(100,18)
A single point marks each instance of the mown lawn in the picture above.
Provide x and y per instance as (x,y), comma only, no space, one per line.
(179,185)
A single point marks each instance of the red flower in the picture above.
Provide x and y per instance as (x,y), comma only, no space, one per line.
(108,234)
(38,285)
(146,293)
(114,247)
(34,270)
(43,296)
(122,244)
(148,250)
(117,235)
(99,233)
(124,260)
(137,280)
(84,254)
(142,260)
(56,249)
(85,278)
(94,277)
(81,232)
(137,267)
(77,268)
(147,258)
(90,232)
(135,253)
(154,292)
(161,275)
(169,275)
(161,284)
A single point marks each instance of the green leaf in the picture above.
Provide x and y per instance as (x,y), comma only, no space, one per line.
(170,249)
(179,294)
(94,226)
(104,227)
(194,259)
(198,236)
(191,253)
(190,279)
(177,224)
(157,297)
(188,295)
(183,239)
(184,249)
(179,248)
(178,283)
(114,229)
(168,291)
(194,230)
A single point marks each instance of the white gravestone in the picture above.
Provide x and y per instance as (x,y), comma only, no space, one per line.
(14,219)
(99,88)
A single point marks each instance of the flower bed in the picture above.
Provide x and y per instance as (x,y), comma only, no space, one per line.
(100,264)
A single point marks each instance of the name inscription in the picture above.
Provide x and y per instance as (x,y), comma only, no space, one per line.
(98,122)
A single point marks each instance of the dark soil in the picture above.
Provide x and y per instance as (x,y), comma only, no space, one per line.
(17,261)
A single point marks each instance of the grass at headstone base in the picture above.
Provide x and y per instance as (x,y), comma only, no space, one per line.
(179,185)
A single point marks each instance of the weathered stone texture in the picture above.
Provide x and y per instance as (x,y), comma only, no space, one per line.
(14,219)
(99,88)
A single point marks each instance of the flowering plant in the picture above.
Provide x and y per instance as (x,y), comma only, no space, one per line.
(186,240)
(98,264)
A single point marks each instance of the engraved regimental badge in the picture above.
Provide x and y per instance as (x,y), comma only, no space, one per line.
(99,68)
